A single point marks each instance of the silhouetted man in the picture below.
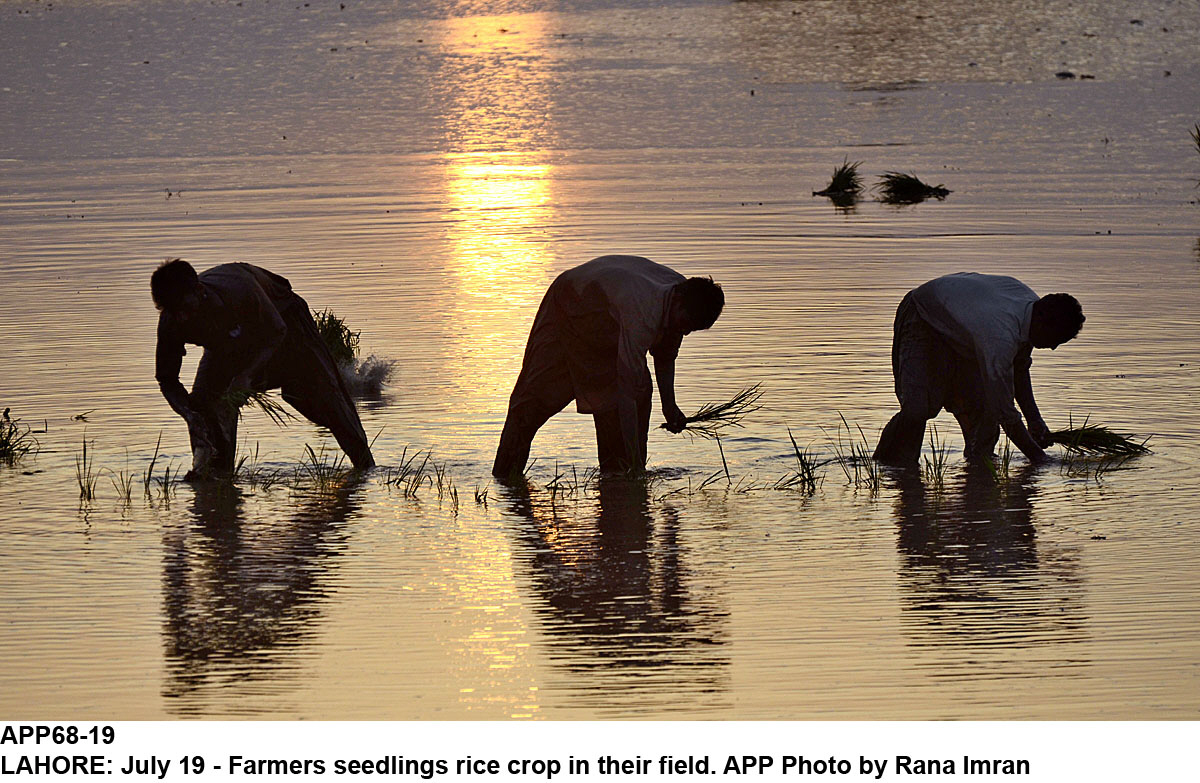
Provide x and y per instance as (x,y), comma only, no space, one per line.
(589,343)
(963,342)
(257,335)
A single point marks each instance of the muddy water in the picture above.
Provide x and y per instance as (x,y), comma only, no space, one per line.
(425,171)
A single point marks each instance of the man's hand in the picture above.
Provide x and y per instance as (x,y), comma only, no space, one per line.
(1041,433)
(676,420)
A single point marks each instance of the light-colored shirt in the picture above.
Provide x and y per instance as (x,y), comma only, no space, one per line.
(586,304)
(986,319)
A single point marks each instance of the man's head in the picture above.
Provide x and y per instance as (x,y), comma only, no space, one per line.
(698,303)
(176,287)
(1057,318)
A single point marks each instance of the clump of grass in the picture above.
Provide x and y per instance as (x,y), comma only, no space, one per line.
(1195,133)
(410,475)
(321,472)
(714,417)
(844,182)
(16,440)
(804,478)
(122,481)
(854,457)
(1095,440)
(935,461)
(85,474)
(365,377)
(148,476)
(481,495)
(341,340)
(1002,470)
(897,188)
(250,471)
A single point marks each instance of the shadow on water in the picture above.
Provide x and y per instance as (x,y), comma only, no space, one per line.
(240,593)
(973,573)
(616,596)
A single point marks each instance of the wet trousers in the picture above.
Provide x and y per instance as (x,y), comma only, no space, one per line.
(309,380)
(930,375)
(544,388)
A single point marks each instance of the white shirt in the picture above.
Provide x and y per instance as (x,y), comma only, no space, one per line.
(985,318)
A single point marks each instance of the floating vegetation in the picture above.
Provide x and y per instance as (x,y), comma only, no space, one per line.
(714,417)
(844,186)
(16,440)
(1095,440)
(897,188)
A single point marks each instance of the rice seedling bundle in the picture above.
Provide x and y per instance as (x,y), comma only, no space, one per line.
(264,401)
(844,182)
(714,417)
(339,339)
(897,188)
(1096,440)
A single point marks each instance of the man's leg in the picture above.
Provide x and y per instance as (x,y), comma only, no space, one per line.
(614,454)
(543,389)
(311,382)
(214,436)
(917,355)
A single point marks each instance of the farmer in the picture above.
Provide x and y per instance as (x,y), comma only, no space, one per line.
(963,342)
(589,343)
(257,335)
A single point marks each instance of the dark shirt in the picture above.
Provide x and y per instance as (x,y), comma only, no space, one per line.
(239,324)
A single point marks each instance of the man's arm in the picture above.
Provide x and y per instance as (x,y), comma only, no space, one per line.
(664,376)
(168,359)
(1001,389)
(1023,387)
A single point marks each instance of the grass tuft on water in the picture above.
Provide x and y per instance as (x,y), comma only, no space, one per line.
(1096,440)
(16,440)
(895,187)
(714,417)
(844,182)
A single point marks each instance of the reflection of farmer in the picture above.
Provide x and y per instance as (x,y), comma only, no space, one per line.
(963,342)
(257,335)
(589,344)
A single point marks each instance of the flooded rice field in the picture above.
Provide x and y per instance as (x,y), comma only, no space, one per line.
(425,170)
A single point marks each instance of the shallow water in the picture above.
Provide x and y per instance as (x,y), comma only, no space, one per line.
(427,180)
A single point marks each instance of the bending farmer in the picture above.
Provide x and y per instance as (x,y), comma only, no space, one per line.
(963,342)
(589,343)
(257,335)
